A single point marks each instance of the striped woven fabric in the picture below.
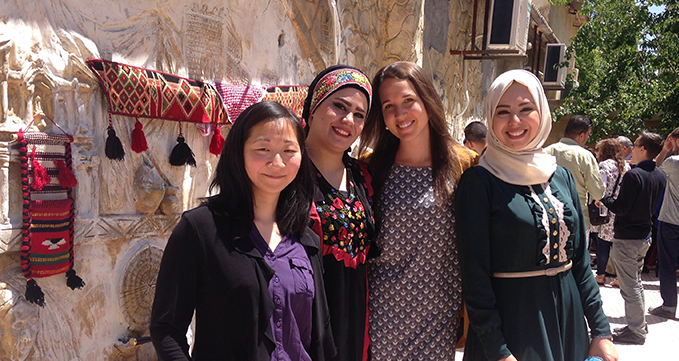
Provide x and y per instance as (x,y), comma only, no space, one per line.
(47,226)
(47,182)
(51,238)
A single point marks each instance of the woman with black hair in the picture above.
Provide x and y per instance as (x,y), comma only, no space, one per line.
(245,261)
(335,111)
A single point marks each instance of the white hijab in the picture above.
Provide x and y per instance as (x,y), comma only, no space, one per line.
(530,164)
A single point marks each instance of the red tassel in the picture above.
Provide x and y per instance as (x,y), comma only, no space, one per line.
(65,176)
(40,176)
(217,142)
(138,138)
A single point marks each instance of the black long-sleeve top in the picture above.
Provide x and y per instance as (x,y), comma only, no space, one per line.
(211,265)
(640,191)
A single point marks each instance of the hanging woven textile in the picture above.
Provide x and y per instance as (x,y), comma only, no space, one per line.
(47,182)
(145,93)
(237,98)
(290,96)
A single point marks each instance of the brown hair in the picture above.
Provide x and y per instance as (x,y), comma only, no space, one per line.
(675,133)
(652,142)
(611,149)
(445,163)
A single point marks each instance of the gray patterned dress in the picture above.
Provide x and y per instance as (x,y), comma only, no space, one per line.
(415,286)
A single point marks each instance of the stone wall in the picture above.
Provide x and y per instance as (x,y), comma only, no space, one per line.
(43,48)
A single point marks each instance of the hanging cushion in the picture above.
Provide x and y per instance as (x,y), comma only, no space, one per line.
(140,92)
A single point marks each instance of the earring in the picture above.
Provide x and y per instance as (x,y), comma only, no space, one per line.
(387,128)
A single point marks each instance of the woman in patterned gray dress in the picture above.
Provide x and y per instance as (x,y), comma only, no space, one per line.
(415,287)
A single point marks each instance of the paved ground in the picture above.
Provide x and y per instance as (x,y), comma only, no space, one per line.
(662,342)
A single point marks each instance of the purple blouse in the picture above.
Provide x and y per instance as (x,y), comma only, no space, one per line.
(292,291)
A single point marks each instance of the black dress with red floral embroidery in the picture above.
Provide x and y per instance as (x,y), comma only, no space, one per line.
(347,232)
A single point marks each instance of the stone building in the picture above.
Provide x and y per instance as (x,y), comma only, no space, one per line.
(124,211)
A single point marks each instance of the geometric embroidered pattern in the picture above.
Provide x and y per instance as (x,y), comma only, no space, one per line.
(290,96)
(145,93)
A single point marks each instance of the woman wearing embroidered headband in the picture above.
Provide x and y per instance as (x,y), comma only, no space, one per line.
(245,261)
(335,111)
(525,267)
(415,287)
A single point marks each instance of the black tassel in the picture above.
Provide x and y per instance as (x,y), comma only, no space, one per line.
(73,280)
(34,293)
(182,154)
(114,148)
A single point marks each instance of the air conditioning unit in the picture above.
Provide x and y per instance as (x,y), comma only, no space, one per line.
(554,74)
(509,23)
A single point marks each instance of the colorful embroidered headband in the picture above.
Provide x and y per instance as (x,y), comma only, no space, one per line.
(337,79)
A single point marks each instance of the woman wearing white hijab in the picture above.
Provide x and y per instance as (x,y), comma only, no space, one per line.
(525,268)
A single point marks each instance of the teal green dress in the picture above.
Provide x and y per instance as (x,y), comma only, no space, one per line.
(503,227)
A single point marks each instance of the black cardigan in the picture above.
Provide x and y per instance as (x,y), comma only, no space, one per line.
(640,191)
(210,265)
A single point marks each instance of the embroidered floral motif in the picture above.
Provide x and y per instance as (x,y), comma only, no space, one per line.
(343,220)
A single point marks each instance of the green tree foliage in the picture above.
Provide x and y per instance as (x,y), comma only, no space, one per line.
(628,61)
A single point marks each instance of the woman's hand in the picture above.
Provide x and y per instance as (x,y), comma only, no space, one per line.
(603,348)
(667,146)
(510,358)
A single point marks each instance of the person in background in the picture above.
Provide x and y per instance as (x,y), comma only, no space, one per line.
(668,229)
(245,260)
(528,286)
(335,112)
(475,136)
(415,289)
(640,191)
(627,146)
(570,153)
(612,166)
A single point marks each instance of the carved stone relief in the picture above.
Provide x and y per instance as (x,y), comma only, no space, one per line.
(315,25)
(139,286)
(30,332)
(149,188)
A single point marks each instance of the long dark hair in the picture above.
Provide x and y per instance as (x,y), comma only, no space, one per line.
(445,163)
(235,197)
(611,149)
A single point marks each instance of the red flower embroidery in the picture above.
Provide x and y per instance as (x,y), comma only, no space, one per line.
(329,81)
(342,234)
(338,203)
(359,205)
